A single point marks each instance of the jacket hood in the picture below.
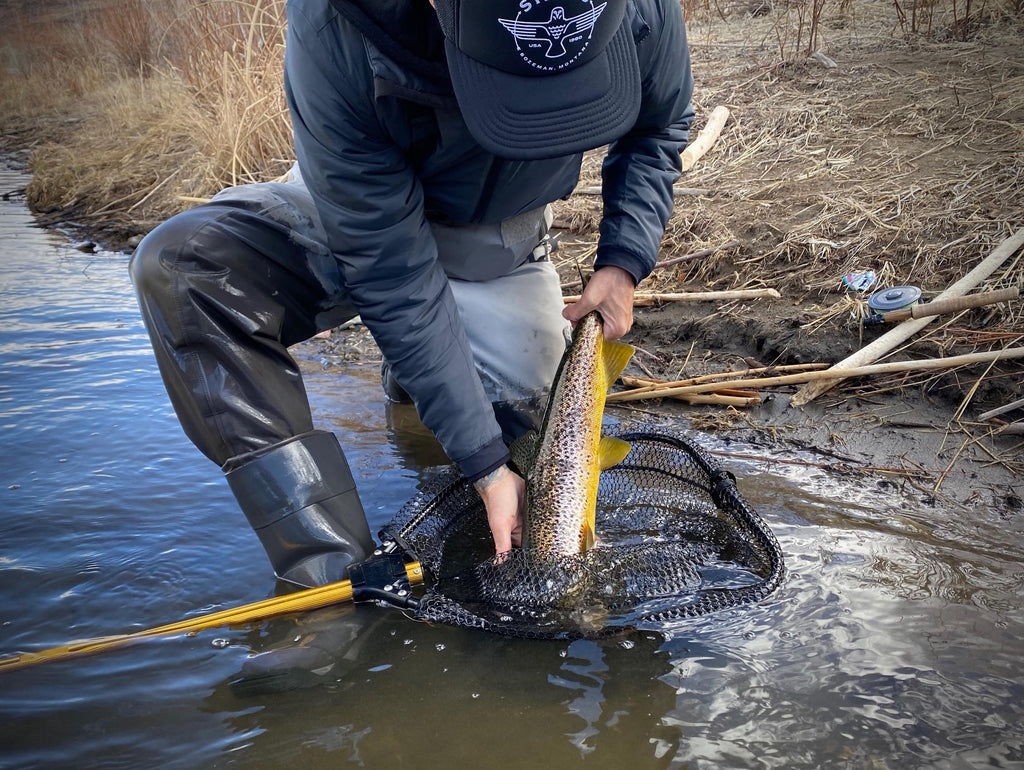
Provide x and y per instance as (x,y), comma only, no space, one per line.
(404,30)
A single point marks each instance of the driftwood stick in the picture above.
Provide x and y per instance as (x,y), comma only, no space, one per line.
(723,397)
(707,137)
(1000,410)
(719,399)
(738,393)
(955,305)
(643,300)
(646,384)
(804,377)
(907,329)
(695,255)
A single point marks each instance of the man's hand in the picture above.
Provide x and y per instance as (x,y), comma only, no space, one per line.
(610,292)
(504,496)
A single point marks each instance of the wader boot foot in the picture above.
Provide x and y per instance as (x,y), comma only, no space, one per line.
(322,648)
(392,390)
(301,500)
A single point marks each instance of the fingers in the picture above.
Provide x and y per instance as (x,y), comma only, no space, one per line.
(610,293)
(517,531)
(503,493)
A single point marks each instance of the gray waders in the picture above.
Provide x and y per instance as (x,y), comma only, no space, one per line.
(226,287)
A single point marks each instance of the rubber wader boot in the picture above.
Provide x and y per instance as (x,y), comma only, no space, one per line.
(392,390)
(324,646)
(300,498)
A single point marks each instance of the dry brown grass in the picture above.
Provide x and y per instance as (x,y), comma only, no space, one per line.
(48,77)
(231,53)
(138,130)
(130,109)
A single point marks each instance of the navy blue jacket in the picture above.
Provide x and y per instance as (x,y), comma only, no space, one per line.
(383,149)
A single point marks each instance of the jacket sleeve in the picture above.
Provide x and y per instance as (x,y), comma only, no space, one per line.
(641,167)
(372,209)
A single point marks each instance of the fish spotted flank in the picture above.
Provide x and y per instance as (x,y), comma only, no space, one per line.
(562,464)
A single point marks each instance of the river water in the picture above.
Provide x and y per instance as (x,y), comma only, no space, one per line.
(896,641)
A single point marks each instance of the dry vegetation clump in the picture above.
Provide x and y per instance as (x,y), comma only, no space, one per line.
(115,187)
(132,111)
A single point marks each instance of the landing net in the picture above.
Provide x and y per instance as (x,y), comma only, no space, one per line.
(675,540)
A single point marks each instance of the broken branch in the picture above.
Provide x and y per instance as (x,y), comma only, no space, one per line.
(696,255)
(645,384)
(1000,410)
(707,137)
(643,300)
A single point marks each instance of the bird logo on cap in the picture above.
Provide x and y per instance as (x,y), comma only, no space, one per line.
(551,36)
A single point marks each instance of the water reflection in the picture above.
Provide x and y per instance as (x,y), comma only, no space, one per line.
(422,696)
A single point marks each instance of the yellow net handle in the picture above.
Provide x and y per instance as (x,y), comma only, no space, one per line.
(300,601)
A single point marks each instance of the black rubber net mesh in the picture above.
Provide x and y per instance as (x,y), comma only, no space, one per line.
(675,540)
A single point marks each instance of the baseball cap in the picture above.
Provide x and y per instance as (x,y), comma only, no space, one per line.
(542,78)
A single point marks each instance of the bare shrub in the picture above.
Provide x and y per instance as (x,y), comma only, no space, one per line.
(796,27)
(951,19)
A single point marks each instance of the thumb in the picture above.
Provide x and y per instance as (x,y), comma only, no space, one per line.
(575,311)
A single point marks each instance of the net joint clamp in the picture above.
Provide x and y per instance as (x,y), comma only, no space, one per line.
(382,578)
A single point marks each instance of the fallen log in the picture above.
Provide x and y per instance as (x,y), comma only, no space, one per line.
(806,377)
(907,329)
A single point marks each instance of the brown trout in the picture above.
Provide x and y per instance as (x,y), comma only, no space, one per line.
(562,463)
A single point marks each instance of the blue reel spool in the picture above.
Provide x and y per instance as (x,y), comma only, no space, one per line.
(896,298)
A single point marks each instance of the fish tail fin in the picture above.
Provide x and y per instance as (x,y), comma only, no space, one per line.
(614,357)
(612,451)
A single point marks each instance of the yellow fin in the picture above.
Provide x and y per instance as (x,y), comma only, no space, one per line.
(614,357)
(588,535)
(612,451)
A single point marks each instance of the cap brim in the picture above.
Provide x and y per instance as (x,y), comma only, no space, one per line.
(549,116)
